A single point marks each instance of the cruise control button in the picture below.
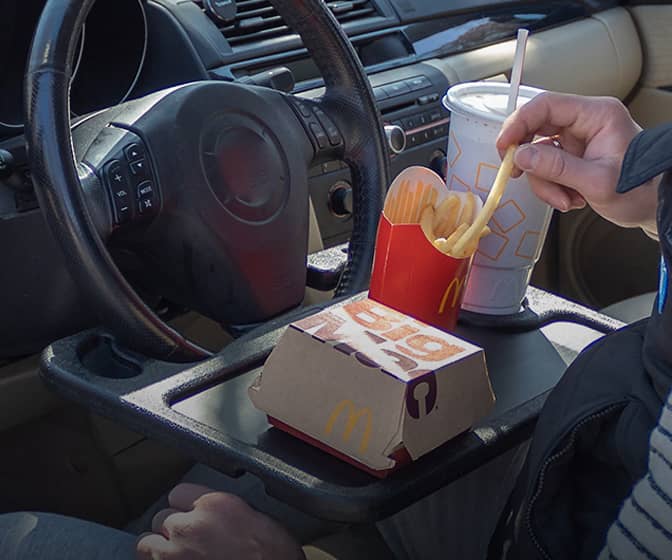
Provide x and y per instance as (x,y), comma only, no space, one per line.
(304,109)
(331,129)
(320,135)
(134,152)
(139,168)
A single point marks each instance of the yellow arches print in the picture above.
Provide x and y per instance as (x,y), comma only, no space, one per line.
(354,415)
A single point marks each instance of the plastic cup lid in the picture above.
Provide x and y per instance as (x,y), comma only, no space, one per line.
(486,100)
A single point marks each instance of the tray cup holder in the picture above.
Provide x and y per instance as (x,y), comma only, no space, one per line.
(100,355)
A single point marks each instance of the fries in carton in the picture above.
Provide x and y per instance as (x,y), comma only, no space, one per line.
(372,386)
(417,269)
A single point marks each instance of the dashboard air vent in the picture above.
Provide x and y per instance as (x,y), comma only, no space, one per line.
(257,20)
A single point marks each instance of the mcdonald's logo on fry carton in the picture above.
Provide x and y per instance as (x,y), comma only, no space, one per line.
(373,386)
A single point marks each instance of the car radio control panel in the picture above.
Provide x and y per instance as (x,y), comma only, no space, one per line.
(410,98)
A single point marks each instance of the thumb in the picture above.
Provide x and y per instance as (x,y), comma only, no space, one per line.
(555,165)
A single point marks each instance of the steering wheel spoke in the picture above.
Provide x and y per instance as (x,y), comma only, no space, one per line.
(127,185)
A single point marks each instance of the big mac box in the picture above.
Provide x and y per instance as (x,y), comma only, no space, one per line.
(372,386)
(370,380)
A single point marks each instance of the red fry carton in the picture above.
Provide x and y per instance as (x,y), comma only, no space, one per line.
(409,273)
(372,386)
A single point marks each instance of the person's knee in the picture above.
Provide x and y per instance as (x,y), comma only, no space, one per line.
(27,535)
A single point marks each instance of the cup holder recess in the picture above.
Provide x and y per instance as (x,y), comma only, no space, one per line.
(101,356)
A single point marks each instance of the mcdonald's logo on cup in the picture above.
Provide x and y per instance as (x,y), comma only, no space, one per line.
(354,415)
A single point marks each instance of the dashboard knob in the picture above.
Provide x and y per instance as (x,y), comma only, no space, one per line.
(396,138)
(6,164)
(340,199)
(224,10)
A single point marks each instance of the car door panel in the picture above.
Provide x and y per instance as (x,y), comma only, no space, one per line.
(652,104)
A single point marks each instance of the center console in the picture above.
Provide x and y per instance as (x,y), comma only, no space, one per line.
(409,97)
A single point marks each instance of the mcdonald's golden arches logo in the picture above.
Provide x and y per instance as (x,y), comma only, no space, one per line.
(455,288)
(354,415)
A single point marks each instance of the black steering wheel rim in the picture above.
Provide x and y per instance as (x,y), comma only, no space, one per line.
(122,312)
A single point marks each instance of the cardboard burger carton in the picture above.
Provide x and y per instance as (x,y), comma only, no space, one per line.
(372,386)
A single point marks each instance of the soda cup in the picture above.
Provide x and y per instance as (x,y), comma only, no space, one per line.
(505,259)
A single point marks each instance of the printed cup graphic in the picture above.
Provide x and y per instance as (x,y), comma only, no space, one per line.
(505,259)
(409,273)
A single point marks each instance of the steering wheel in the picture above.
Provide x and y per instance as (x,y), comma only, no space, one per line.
(201,189)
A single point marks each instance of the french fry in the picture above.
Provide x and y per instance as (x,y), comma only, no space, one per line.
(467,215)
(446,216)
(473,245)
(416,209)
(491,203)
(450,242)
(440,244)
(426,221)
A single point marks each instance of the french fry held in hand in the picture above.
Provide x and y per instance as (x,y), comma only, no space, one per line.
(466,241)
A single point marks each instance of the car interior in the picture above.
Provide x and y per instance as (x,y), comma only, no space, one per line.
(192,265)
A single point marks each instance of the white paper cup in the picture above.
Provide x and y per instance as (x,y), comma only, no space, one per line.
(505,259)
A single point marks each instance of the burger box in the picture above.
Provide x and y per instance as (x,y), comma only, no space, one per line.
(371,385)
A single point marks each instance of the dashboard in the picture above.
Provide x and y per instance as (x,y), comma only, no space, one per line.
(109,59)
(129,48)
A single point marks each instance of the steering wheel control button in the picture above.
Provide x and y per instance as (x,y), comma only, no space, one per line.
(134,152)
(147,205)
(147,200)
(139,168)
(304,109)
(123,211)
(320,136)
(115,176)
(120,189)
(332,131)
(145,189)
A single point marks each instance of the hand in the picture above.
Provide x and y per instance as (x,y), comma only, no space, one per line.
(594,134)
(202,524)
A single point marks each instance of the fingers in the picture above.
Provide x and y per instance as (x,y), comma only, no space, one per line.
(184,495)
(558,166)
(159,519)
(155,547)
(559,197)
(545,115)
